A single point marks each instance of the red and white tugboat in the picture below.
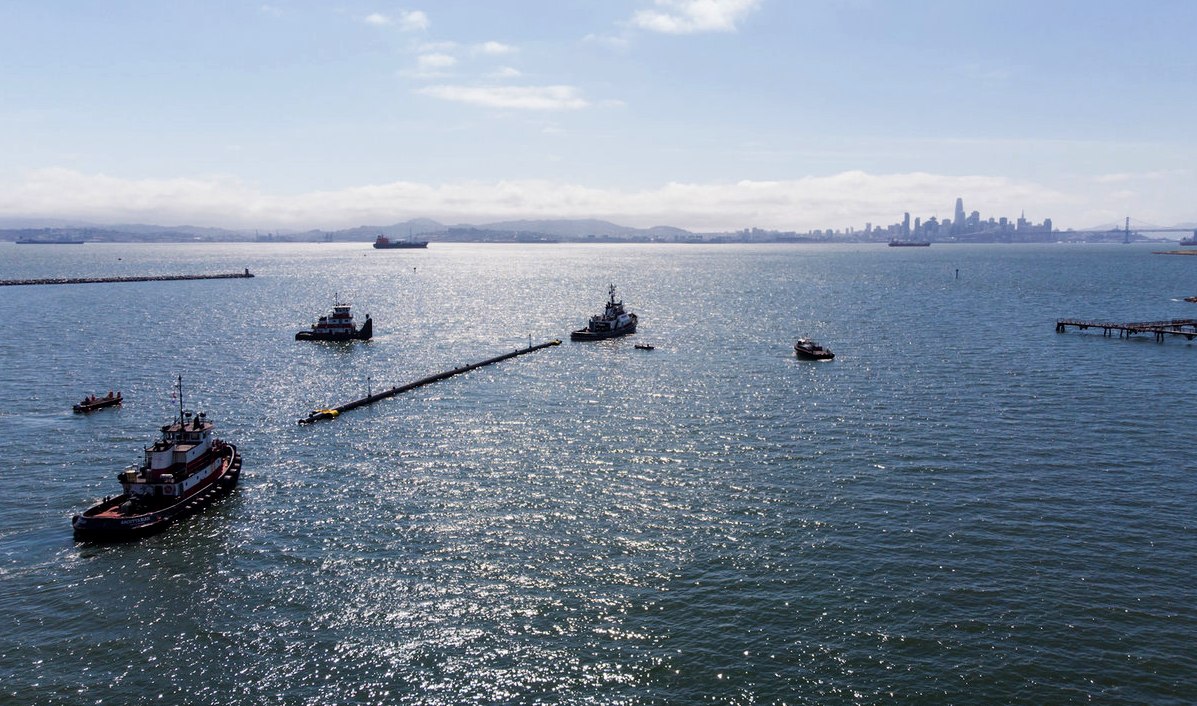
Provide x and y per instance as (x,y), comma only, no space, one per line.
(614,321)
(337,326)
(183,472)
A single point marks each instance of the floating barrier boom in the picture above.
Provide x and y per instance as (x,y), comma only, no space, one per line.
(102,280)
(332,412)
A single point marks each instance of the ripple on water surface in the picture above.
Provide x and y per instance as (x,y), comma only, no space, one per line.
(963,507)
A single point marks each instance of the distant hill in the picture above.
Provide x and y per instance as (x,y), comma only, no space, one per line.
(584,229)
(414,227)
(518,231)
(125,233)
(573,229)
(524,231)
(191,232)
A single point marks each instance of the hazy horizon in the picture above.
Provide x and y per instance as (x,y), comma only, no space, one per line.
(711,115)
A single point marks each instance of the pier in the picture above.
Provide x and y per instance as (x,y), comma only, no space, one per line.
(333,412)
(101,280)
(1160,329)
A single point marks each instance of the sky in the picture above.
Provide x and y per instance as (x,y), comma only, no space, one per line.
(710,115)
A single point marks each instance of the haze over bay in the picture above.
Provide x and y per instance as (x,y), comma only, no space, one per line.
(708,116)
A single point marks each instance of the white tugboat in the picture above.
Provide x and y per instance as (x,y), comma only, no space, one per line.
(614,321)
(808,349)
(338,326)
(182,473)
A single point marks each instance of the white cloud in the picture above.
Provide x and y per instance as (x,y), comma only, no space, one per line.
(494,48)
(414,20)
(1138,176)
(693,16)
(840,200)
(505,72)
(431,66)
(408,21)
(511,97)
(431,62)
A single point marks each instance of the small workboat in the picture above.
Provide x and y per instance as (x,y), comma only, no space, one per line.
(614,321)
(182,473)
(644,346)
(91,403)
(806,348)
(338,326)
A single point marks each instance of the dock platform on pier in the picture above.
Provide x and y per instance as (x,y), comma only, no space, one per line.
(333,412)
(1159,329)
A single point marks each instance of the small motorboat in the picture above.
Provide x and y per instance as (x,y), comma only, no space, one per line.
(644,346)
(808,349)
(91,403)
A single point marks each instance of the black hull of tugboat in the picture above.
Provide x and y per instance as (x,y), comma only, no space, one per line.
(588,335)
(365,333)
(105,529)
(811,355)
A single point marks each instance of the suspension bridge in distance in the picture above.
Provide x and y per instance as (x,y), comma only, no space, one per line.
(1127,227)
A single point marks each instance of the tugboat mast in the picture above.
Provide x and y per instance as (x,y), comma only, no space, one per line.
(180,385)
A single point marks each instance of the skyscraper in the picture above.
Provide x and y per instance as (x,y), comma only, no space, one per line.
(958,218)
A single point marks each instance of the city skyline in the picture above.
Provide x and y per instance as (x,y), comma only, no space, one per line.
(710,116)
(962,228)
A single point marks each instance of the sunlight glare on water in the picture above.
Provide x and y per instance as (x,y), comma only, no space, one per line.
(963,507)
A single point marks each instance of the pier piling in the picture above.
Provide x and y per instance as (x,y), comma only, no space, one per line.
(332,412)
(1159,329)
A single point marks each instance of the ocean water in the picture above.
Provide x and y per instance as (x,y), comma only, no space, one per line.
(964,507)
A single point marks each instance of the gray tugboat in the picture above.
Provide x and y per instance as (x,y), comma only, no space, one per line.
(182,473)
(614,321)
(808,349)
